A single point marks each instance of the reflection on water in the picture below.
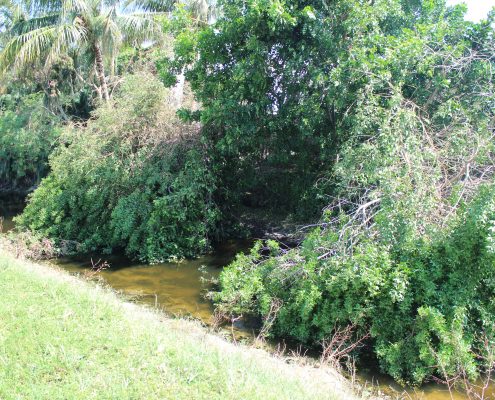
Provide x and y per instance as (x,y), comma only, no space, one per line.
(179,288)
(9,207)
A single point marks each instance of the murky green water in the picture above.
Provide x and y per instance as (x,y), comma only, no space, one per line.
(180,288)
(177,288)
(9,207)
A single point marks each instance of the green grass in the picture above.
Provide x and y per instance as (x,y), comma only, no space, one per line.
(64,338)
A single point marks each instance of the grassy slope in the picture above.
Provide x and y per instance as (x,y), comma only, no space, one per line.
(62,338)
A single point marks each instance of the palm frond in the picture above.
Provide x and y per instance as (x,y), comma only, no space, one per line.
(37,44)
(23,26)
(105,27)
(75,7)
(150,5)
(138,27)
(37,7)
(67,37)
(26,47)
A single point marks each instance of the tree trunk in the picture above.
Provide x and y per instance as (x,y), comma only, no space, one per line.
(100,71)
(178,90)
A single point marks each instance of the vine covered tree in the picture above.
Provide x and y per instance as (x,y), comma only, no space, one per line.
(384,111)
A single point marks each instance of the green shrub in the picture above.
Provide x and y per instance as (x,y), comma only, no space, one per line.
(28,134)
(134,177)
(425,306)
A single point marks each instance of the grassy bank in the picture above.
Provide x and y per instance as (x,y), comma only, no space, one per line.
(63,338)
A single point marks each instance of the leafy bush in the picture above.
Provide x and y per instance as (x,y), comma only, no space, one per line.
(134,177)
(425,307)
(28,134)
(403,252)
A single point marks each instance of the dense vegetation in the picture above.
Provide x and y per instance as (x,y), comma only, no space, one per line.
(28,135)
(377,118)
(402,253)
(424,305)
(133,177)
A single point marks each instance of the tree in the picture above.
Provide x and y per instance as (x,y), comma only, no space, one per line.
(388,107)
(45,30)
(265,79)
(133,178)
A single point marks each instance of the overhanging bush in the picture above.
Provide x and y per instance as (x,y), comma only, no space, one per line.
(134,177)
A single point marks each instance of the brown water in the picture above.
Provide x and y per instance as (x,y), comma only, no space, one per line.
(431,391)
(177,288)
(9,207)
(180,288)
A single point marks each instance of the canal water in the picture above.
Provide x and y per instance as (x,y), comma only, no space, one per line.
(177,288)
(9,207)
(180,288)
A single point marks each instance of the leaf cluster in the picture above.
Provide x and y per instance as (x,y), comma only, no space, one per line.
(133,177)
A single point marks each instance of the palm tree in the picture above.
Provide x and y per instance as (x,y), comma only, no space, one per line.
(48,29)
(7,16)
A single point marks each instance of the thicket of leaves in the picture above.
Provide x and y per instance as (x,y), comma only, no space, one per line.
(28,134)
(403,253)
(285,86)
(132,177)
(426,307)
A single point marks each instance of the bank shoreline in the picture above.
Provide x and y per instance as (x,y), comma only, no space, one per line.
(64,337)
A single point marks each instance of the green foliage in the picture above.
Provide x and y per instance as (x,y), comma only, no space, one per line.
(28,134)
(184,30)
(424,307)
(134,178)
(398,99)
(285,86)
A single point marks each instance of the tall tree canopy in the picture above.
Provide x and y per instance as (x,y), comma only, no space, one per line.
(43,31)
(279,83)
(385,110)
